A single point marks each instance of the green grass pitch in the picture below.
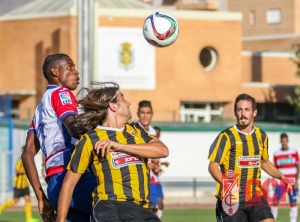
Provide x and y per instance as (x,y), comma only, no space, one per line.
(170,215)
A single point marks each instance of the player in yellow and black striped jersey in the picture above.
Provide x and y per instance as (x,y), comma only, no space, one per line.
(21,189)
(117,153)
(236,157)
(241,154)
(117,171)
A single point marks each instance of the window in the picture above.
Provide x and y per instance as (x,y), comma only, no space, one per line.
(208,58)
(273,16)
(252,18)
(275,113)
(15,109)
(195,112)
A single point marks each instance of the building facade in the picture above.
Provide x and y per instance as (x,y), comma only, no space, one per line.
(194,80)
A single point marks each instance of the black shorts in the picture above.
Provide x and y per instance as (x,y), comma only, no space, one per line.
(121,211)
(253,211)
(21,192)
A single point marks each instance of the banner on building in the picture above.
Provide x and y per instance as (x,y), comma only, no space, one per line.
(125,57)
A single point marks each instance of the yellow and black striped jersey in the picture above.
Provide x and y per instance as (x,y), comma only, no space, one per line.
(120,176)
(240,154)
(20,179)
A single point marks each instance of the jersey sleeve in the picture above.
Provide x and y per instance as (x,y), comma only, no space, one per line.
(265,152)
(31,127)
(81,156)
(219,148)
(145,135)
(64,103)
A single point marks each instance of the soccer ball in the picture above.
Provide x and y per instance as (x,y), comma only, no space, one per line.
(160,29)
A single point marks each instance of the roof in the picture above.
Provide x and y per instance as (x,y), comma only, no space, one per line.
(38,7)
(8,5)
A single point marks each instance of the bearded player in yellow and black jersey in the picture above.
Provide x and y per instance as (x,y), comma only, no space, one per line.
(21,189)
(236,158)
(117,153)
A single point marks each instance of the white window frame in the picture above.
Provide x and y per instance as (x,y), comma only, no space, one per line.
(274,16)
(195,113)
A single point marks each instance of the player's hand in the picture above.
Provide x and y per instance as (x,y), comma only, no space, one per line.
(295,185)
(289,186)
(165,163)
(46,210)
(103,147)
(49,218)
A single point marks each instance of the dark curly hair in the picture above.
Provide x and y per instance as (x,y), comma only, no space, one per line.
(49,61)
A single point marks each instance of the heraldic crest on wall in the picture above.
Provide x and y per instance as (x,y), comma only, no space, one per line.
(126,56)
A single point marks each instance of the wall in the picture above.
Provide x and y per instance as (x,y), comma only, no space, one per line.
(260,8)
(26,43)
(189,152)
(179,74)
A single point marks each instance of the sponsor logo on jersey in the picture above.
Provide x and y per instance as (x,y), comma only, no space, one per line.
(286,161)
(123,159)
(133,133)
(249,161)
(65,98)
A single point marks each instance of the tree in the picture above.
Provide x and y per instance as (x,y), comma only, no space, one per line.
(295,100)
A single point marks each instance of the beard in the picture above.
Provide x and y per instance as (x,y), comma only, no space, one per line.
(244,122)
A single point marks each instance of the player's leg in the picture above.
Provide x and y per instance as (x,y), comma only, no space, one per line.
(10,203)
(294,207)
(153,196)
(238,216)
(260,211)
(27,207)
(81,203)
(132,212)
(279,190)
(105,211)
(160,197)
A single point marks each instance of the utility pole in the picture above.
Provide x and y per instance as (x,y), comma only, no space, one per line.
(85,17)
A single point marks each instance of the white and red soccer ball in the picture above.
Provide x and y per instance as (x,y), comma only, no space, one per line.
(160,29)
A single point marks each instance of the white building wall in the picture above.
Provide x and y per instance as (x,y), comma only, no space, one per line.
(189,152)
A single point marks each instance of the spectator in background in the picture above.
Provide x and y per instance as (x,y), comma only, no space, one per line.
(145,114)
(21,189)
(286,160)
(156,191)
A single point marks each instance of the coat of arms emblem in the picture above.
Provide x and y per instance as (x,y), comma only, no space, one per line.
(126,60)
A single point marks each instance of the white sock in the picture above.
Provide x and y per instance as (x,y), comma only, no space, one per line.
(274,211)
(159,213)
(293,214)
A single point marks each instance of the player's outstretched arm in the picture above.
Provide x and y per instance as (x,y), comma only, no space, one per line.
(154,149)
(65,195)
(270,169)
(31,149)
